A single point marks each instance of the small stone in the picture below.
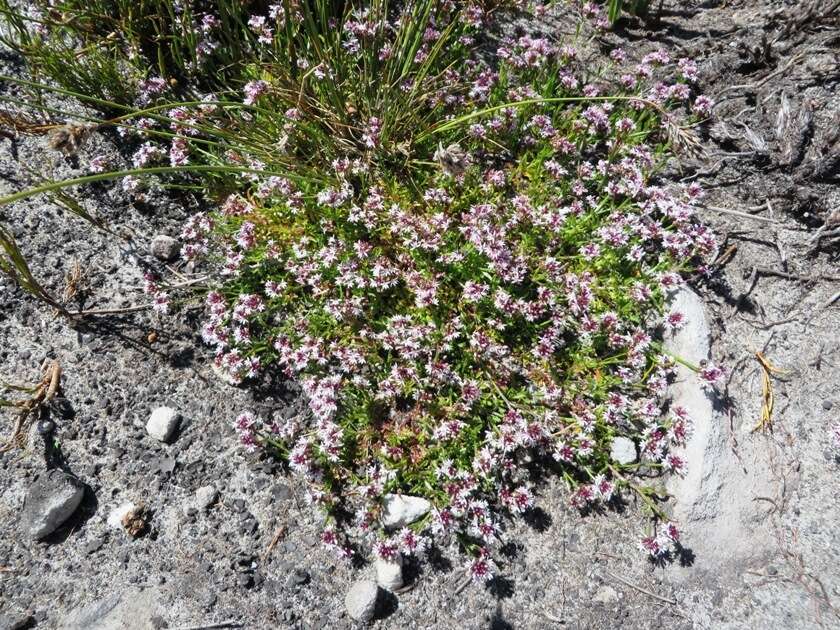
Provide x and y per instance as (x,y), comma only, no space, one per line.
(45,427)
(94,545)
(165,248)
(300,576)
(360,600)
(400,510)
(51,500)
(623,450)
(606,595)
(162,423)
(827,405)
(165,465)
(389,573)
(205,496)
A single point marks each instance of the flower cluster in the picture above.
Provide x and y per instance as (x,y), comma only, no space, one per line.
(160,298)
(658,545)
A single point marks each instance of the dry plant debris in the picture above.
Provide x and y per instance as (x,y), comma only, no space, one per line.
(73,281)
(136,521)
(41,394)
(768,370)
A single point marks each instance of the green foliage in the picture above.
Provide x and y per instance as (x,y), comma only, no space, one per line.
(14,264)
(634,7)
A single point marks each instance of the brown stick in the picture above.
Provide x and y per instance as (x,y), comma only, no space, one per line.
(277,536)
(673,602)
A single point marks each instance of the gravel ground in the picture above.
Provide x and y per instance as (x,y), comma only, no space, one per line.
(761,549)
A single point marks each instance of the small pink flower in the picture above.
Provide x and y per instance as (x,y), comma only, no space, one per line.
(675,464)
(671,532)
(386,549)
(480,568)
(675,321)
(650,545)
(711,374)
(703,106)
(254,90)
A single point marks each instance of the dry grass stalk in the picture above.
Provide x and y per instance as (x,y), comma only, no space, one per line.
(42,394)
(15,124)
(73,281)
(69,138)
(278,535)
(768,399)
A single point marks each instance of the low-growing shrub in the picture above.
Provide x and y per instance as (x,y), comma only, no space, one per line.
(461,257)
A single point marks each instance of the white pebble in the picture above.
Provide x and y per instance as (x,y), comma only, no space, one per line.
(205,497)
(162,423)
(389,573)
(360,600)
(623,451)
(400,510)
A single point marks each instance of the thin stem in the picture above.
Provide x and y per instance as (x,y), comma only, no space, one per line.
(441,127)
(154,170)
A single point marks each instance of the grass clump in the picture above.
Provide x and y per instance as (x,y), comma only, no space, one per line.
(461,256)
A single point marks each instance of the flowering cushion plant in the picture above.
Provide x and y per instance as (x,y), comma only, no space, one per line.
(455,321)
(464,259)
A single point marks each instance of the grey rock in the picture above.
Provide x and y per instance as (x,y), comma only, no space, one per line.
(165,465)
(827,405)
(623,450)
(389,573)
(713,500)
(281,492)
(14,621)
(300,576)
(162,423)
(137,609)
(165,248)
(360,600)
(399,510)
(205,496)
(51,500)
(94,545)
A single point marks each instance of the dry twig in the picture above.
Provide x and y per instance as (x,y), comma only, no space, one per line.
(743,215)
(626,582)
(281,531)
(752,87)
